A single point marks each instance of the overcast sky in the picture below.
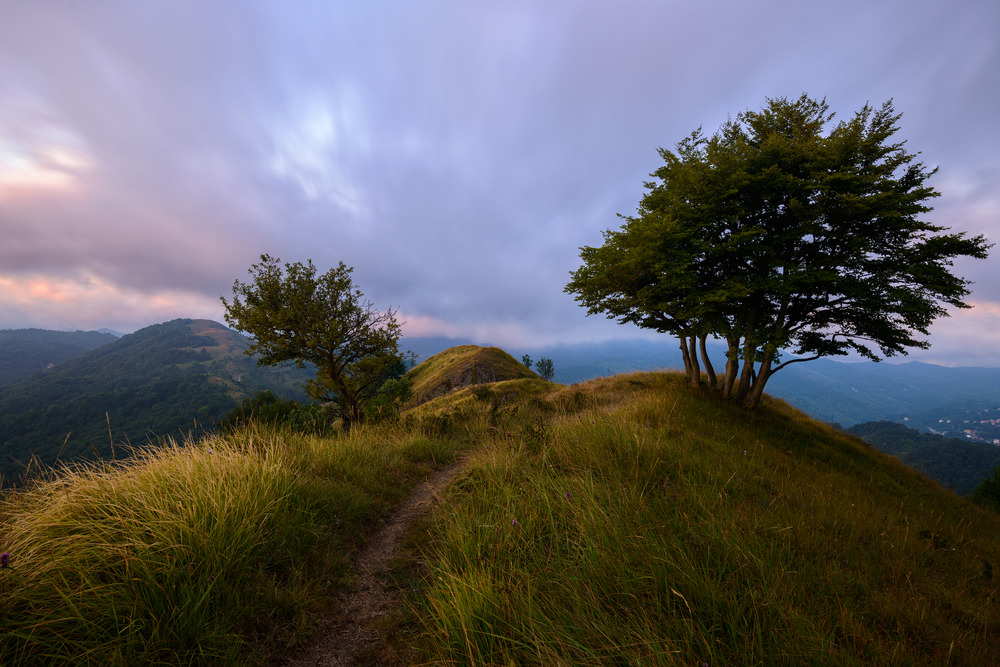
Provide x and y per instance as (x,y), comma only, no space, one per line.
(457,154)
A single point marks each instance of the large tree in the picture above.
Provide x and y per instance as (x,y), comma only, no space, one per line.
(776,235)
(292,314)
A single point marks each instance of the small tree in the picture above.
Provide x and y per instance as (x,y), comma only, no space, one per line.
(295,315)
(526,360)
(987,493)
(545,368)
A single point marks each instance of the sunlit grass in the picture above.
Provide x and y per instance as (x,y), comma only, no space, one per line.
(670,528)
(217,551)
(627,520)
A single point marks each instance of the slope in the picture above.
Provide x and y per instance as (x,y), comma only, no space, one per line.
(162,380)
(27,351)
(463,366)
(630,520)
(955,464)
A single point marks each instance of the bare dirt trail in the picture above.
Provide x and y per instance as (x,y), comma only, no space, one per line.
(356,631)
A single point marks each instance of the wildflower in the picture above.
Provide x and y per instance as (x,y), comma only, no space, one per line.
(567,495)
(514,522)
(5,559)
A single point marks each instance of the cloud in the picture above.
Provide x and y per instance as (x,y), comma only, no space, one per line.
(456,154)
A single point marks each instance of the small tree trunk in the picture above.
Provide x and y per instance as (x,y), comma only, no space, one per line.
(756,393)
(732,366)
(686,356)
(709,369)
(694,377)
(746,376)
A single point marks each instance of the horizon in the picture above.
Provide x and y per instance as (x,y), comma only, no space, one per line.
(456,156)
(668,341)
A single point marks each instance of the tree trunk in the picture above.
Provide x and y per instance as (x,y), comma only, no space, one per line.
(687,357)
(694,377)
(756,393)
(732,366)
(709,369)
(746,376)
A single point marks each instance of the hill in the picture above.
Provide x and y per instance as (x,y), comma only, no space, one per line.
(955,464)
(166,379)
(624,520)
(828,390)
(463,366)
(27,351)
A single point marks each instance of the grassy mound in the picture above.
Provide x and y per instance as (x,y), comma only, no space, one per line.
(463,366)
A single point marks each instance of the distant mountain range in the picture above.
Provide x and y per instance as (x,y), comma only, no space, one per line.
(164,380)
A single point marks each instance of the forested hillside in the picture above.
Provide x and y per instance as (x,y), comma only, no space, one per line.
(955,464)
(27,351)
(167,379)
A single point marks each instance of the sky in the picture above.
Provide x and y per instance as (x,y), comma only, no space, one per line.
(456,154)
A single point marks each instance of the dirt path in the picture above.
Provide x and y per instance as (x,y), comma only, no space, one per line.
(356,631)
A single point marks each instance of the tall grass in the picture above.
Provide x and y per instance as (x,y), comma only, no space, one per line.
(643,523)
(217,551)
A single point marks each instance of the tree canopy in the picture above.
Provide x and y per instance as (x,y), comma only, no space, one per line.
(292,314)
(778,235)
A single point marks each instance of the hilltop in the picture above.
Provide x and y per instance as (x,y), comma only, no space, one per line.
(626,520)
(463,366)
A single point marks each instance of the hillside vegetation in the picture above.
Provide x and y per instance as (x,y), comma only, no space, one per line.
(625,520)
(956,464)
(164,380)
(27,351)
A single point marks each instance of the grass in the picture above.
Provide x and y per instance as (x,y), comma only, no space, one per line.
(655,525)
(628,520)
(221,551)
(463,365)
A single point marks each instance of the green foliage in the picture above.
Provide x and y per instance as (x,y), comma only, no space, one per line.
(987,492)
(293,315)
(774,234)
(267,408)
(953,463)
(545,368)
(27,351)
(169,379)
(526,360)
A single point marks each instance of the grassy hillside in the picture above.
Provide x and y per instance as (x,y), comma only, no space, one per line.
(642,523)
(463,366)
(166,379)
(626,520)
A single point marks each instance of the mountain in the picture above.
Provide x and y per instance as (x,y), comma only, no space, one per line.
(163,380)
(956,464)
(27,351)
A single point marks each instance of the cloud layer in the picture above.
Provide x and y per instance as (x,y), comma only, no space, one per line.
(456,154)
